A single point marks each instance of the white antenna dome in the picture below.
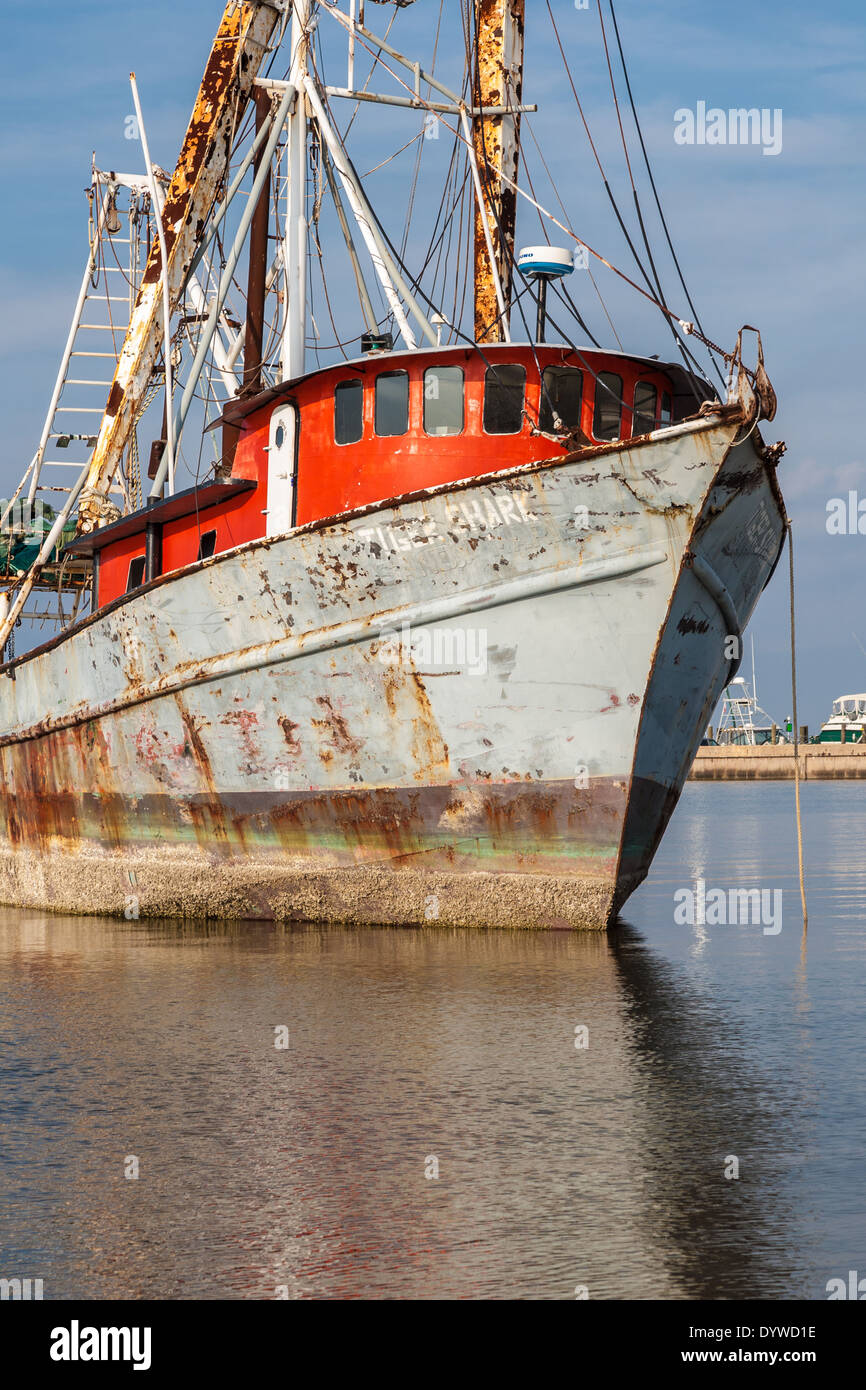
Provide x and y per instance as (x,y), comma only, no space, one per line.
(551,261)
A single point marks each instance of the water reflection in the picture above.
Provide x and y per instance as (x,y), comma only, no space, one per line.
(709,1111)
(304,1169)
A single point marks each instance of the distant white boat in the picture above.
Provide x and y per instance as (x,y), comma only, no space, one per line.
(849,713)
(743,721)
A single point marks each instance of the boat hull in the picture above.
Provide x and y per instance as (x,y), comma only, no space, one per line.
(472,706)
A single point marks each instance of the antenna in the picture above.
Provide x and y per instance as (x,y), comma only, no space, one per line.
(540,264)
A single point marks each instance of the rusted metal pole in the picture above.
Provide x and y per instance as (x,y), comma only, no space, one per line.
(498,82)
(230,436)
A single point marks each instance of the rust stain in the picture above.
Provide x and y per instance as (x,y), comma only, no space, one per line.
(292,741)
(208,815)
(429,751)
(246,721)
(334,724)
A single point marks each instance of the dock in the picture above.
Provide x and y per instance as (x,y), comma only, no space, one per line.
(819,762)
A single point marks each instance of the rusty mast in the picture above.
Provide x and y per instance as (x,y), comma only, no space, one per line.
(498,83)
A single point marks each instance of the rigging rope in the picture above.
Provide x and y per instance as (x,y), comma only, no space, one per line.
(658,297)
(411,204)
(563,292)
(681,348)
(646,160)
(689,328)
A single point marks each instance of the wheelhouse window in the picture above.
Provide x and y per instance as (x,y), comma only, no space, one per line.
(443,400)
(504,393)
(392,403)
(645,400)
(561,397)
(135,577)
(666,412)
(348,412)
(607,414)
(207,545)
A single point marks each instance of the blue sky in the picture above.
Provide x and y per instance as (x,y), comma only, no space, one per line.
(774,241)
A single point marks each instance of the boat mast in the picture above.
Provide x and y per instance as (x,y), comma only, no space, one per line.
(295,241)
(257,288)
(498,82)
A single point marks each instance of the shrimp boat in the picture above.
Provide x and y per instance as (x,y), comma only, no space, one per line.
(435,635)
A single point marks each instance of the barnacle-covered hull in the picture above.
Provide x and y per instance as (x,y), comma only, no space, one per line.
(475,705)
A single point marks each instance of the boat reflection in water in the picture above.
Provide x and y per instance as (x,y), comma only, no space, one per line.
(309,1170)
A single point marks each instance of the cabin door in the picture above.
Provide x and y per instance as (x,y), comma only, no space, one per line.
(282,452)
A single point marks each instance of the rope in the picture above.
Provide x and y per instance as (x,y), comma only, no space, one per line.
(613,93)
(527,125)
(655,290)
(410,207)
(687,327)
(653,182)
(796,728)
(655,282)
(134,473)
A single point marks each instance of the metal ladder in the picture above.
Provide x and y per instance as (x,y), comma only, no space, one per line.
(96,335)
(93,346)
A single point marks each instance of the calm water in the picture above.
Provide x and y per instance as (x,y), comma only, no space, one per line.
(303,1167)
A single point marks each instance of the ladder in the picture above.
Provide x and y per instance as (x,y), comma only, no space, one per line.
(99,323)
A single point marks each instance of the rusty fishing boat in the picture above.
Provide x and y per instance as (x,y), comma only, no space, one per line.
(435,635)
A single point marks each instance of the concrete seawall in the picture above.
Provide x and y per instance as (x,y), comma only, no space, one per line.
(819,762)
